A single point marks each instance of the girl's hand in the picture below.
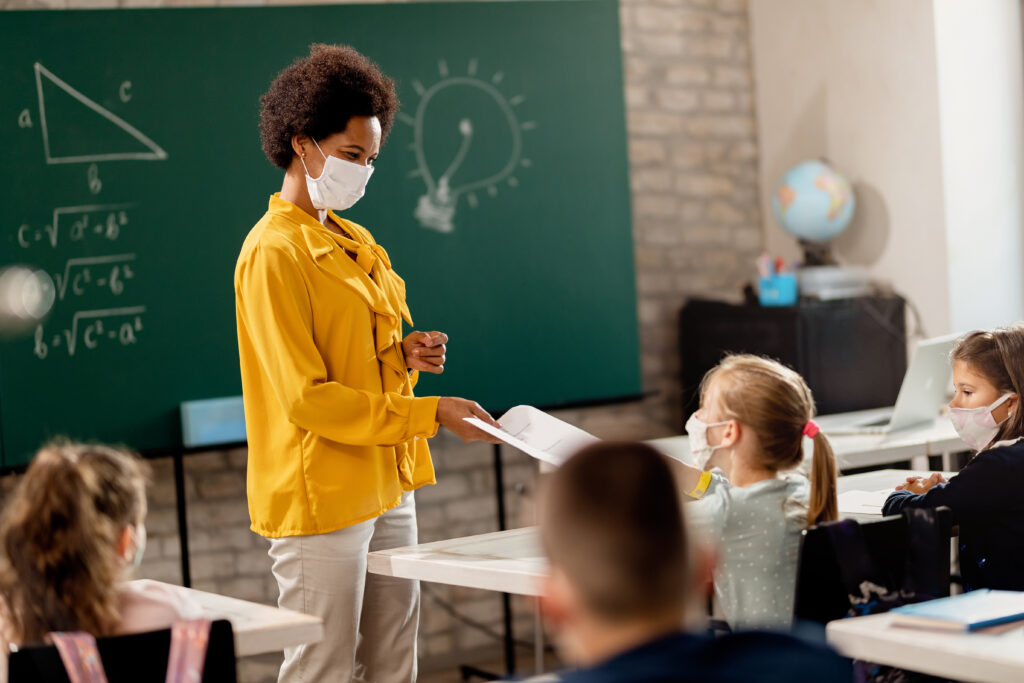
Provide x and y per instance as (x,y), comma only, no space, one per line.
(921,484)
(424,351)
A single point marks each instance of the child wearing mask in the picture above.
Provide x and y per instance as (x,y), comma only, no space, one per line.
(625,580)
(985,497)
(71,532)
(753,418)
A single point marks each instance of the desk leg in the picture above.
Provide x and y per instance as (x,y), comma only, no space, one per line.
(919,462)
(538,639)
(506,601)
(179,500)
(947,461)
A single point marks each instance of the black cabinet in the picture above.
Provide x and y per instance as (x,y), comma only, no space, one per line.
(851,352)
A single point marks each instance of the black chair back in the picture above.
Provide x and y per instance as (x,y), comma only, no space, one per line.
(906,555)
(133,658)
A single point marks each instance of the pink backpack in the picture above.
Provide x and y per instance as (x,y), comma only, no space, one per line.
(189,639)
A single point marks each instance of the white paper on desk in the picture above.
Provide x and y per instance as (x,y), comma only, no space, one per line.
(537,434)
(862,502)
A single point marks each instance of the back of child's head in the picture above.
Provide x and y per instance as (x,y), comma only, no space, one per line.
(776,404)
(997,355)
(611,522)
(59,537)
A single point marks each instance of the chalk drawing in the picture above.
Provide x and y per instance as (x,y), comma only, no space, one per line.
(125,333)
(84,276)
(155,153)
(436,208)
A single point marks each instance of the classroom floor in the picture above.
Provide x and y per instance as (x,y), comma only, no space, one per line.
(524,668)
(263,669)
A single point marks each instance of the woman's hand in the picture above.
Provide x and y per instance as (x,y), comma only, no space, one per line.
(921,484)
(451,411)
(424,351)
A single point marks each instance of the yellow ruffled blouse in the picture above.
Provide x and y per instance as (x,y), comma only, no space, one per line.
(335,433)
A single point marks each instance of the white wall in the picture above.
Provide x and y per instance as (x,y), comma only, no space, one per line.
(919,104)
(982,134)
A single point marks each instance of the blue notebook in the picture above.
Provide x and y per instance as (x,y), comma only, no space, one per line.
(968,612)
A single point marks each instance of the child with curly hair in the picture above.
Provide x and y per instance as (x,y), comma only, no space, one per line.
(71,532)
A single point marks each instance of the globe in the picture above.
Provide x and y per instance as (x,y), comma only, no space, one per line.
(813,202)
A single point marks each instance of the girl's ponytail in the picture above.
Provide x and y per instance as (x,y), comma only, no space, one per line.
(823,506)
(776,403)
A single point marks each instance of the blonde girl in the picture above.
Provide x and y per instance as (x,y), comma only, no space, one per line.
(747,441)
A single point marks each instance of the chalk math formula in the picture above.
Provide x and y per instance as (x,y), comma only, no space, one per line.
(81,244)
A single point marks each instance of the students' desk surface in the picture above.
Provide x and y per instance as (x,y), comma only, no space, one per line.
(869,506)
(257,628)
(994,658)
(880,480)
(862,450)
(513,561)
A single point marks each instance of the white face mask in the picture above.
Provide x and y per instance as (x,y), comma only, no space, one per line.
(139,539)
(697,429)
(340,185)
(976,426)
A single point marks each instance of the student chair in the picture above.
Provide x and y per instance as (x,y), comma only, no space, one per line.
(134,658)
(849,568)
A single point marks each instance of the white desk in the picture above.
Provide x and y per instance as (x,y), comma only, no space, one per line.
(873,482)
(513,561)
(257,628)
(880,479)
(864,450)
(992,658)
(507,561)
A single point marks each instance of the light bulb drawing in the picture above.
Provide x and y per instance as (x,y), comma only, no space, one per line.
(436,208)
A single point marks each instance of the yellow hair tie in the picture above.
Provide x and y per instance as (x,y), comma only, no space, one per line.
(701,487)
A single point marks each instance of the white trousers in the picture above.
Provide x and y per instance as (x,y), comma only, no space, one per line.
(370,621)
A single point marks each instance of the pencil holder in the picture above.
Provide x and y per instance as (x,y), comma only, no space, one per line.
(777,290)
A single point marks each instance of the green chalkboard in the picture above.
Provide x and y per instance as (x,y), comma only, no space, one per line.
(133,170)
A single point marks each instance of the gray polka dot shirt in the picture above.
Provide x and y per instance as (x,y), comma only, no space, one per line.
(757,532)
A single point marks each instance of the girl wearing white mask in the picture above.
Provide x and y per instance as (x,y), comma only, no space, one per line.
(72,532)
(747,440)
(985,497)
(337,437)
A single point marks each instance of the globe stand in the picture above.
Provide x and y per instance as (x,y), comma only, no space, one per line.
(821,277)
(816,253)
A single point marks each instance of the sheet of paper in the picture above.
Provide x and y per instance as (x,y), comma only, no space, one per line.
(537,434)
(862,502)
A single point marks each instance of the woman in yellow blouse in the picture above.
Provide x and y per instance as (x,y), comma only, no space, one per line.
(337,439)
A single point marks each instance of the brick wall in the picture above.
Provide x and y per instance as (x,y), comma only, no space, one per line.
(693,159)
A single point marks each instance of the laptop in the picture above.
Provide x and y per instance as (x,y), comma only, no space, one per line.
(922,394)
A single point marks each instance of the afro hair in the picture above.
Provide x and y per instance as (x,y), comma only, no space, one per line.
(317,95)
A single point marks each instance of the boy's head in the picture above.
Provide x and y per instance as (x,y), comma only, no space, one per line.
(612,528)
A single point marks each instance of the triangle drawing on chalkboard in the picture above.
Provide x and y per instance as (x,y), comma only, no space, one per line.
(78,130)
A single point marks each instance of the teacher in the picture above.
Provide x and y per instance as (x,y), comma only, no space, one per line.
(337,439)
